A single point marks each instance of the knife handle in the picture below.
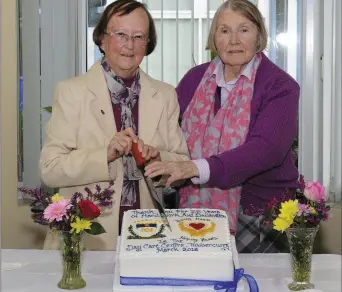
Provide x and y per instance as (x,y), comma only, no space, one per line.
(137,155)
(141,161)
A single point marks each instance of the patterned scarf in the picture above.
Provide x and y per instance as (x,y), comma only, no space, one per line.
(125,98)
(208,134)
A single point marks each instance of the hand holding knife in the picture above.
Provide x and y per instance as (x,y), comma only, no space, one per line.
(156,193)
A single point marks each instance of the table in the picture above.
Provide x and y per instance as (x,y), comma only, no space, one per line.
(40,270)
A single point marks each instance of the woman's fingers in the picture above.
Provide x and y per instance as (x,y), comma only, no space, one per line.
(126,138)
(170,181)
(111,152)
(146,152)
(154,153)
(157,168)
(177,170)
(140,145)
(126,142)
(120,147)
(150,152)
(121,144)
(130,133)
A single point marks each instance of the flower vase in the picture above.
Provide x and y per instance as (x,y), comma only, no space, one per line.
(71,251)
(301,241)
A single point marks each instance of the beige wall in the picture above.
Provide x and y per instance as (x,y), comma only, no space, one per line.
(17,228)
(330,234)
(0,121)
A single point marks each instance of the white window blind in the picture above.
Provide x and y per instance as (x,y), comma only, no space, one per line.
(52,38)
(320,110)
(332,109)
(182,30)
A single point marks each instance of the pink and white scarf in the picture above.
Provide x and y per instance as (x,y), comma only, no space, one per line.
(208,134)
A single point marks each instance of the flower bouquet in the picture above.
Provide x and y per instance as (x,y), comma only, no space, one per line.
(71,218)
(300,218)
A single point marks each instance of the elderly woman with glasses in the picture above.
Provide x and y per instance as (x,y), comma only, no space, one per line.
(96,118)
(239,117)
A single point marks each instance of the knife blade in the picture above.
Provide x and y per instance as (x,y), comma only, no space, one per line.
(155,192)
(157,196)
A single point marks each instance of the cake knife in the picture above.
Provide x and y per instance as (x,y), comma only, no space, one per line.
(155,192)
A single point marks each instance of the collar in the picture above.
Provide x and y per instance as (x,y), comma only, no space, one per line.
(219,72)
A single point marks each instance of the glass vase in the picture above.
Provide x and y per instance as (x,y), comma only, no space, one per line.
(71,251)
(301,241)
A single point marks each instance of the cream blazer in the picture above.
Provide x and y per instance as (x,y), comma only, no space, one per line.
(81,126)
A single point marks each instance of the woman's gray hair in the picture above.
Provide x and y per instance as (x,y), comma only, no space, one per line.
(248,10)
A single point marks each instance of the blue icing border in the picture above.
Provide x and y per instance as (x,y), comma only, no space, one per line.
(218,285)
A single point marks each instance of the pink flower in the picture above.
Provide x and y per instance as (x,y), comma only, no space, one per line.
(56,210)
(314,191)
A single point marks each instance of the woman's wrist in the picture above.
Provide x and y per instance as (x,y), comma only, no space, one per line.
(203,171)
(193,169)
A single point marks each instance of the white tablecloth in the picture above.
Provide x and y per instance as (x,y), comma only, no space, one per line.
(38,271)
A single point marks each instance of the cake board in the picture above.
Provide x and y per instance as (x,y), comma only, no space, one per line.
(117,287)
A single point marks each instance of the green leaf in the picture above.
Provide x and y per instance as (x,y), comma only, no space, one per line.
(95,229)
(78,211)
(48,109)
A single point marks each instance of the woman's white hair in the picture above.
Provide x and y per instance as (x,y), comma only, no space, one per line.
(248,10)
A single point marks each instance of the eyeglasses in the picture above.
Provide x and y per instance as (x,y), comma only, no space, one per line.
(121,37)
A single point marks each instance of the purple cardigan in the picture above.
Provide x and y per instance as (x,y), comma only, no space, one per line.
(264,165)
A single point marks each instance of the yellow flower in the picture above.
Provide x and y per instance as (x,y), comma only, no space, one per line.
(281,223)
(312,210)
(56,197)
(289,210)
(80,225)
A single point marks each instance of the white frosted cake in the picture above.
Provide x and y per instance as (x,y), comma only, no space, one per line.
(196,252)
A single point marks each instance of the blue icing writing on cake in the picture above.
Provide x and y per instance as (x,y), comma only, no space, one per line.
(179,213)
(171,245)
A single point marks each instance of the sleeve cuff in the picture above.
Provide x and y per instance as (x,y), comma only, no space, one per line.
(204,171)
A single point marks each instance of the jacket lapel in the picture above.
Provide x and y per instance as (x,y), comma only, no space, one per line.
(101,106)
(150,108)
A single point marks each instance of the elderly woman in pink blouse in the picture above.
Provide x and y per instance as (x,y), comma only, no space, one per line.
(239,117)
